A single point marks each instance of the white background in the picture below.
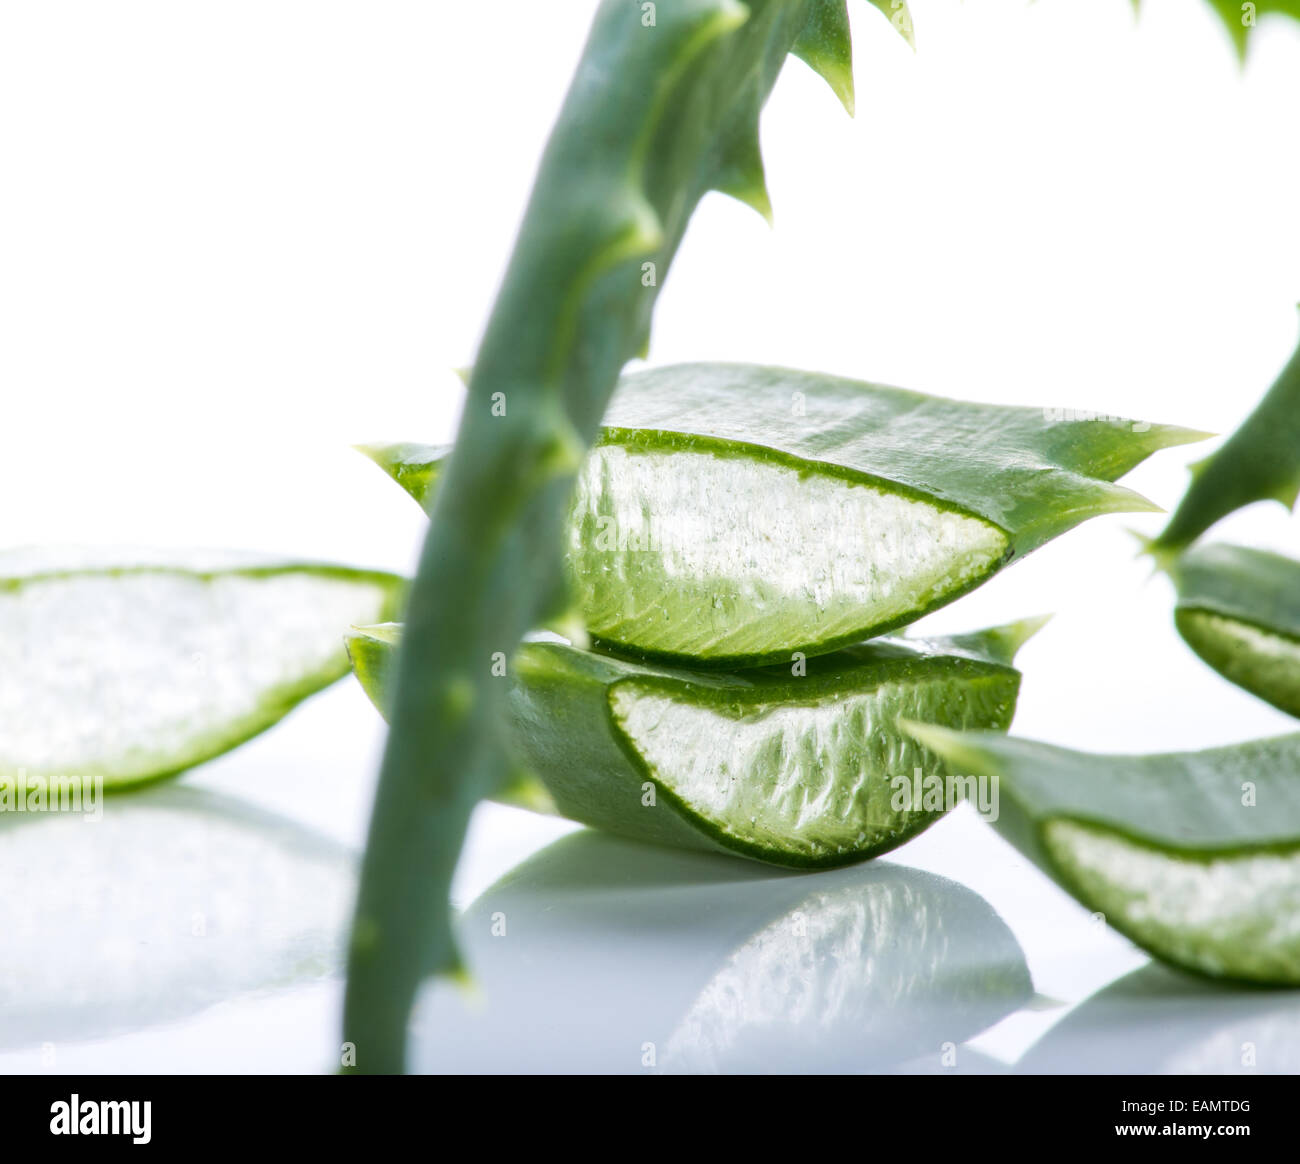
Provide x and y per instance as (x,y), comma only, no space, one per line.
(236,239)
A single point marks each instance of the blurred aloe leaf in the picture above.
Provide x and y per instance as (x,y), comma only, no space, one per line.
(878,506)
(128,674)
(1239,609)
(1195,856)
(1241,19)
(799,769)
(1258,462)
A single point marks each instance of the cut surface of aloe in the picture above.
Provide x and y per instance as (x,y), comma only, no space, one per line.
(1239,609)
(732,514)
(798,770)
(129,674)
(1195,856)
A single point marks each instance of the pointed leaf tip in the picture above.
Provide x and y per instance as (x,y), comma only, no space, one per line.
(826,46)
(900,16)
(741,175)
(951,746)
(1015,635)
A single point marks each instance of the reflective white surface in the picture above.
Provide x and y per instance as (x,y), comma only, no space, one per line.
(198,930)
(234,247)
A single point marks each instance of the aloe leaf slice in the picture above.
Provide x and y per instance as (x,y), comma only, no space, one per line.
(800,770)
(1195,856)
(130,674)
(732,514)
(1239,609)
(1259,462)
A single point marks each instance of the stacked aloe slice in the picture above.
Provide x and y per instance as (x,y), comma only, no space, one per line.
(737,541)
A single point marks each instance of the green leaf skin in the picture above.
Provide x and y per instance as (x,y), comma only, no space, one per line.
(1194,856)
(132,674)
(656,116)
(732,514)
(1241,20)
(792,769)
(1259,462)
(1239,609)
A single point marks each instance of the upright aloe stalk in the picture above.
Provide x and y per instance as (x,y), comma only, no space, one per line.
(664,107)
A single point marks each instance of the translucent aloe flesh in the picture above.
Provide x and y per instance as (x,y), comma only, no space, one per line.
(1195,856)
(1258,462)
(798,770)
(732,514)
(128,675)
(1239,609)
(664,106)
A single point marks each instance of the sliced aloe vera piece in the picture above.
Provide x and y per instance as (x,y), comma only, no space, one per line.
(798,770)
(1239,609)
(1195,856)
(731,514)
(130,674)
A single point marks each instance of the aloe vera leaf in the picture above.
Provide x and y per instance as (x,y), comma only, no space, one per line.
(877,506)
(852,970)
(1259,462)
(1242,19)
(1194,856)
(656,116)
(1239,609)
(131,674)
(799,770)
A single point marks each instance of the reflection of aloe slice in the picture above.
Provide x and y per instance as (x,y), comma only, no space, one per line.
(1239,609)
(1195,856)
(803,769)
(175,899)
(877,971)
(719,965)
(137,672)
(1157,1021)
(731,514)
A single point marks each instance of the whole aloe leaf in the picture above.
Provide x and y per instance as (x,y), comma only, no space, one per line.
(807,770)
(1259,462)
(1195,856)
(124,675)
(731,515)
(664,107)
(1239,609)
